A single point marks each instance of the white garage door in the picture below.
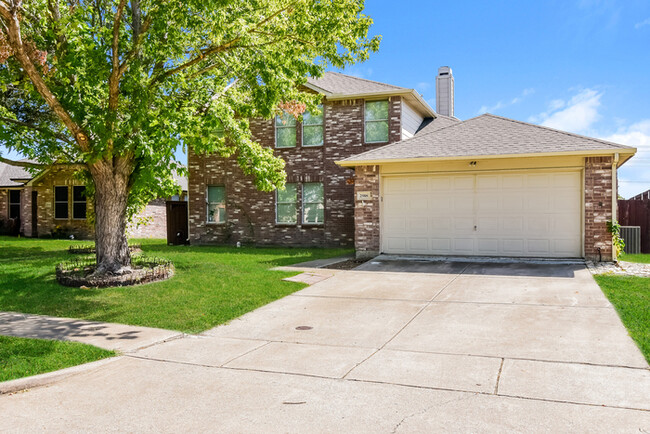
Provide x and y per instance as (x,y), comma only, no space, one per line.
(492,214)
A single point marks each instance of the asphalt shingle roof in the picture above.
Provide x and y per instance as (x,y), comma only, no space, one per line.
(9,173)
(486,135)
(341,84)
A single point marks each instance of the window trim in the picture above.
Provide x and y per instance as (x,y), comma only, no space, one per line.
(279,223)
(67,202)
(85,201)
(207,205)
(322,125)
(365,121)
(11,204)
(275,132)
(302,207)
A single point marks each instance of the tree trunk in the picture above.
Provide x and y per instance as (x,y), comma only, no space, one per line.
(111,194)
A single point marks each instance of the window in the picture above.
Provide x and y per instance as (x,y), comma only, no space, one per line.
(376,125)
(312,129)
(313,200)
(61,202)
(14,204)
(286,205)
(79,202)
(285,131)
(216,204)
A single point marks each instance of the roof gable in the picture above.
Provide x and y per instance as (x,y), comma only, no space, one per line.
(340,84)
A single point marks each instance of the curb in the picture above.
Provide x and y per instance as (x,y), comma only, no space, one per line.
(47,378)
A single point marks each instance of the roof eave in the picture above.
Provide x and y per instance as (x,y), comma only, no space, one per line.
(625,154)
(417,98)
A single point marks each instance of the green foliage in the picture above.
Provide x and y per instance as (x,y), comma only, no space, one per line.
(200,68)
(22,357)
(630,296)
(211,285)
(615,229)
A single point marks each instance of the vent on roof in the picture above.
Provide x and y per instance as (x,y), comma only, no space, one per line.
(445,91)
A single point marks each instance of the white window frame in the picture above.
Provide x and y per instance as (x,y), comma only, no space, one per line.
(207,205)
(302,208)
(322,125)
(84,201)
(277,202)
(281,126)
(387,120)
(67,202)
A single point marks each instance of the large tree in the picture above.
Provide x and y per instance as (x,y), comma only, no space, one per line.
(119,85)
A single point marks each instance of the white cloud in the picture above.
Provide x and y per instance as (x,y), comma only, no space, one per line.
(643,23)
(576,115)
(501,104)
(634,175)
(422,86)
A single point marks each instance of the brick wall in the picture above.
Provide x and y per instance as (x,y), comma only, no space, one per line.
(366,212)
(4,204)
(598,207)
(251,213)
(151,222)
(46,223)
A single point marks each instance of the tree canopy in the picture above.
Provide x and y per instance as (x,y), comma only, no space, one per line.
(119,85)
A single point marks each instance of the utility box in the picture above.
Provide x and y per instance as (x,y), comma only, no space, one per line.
(632,237)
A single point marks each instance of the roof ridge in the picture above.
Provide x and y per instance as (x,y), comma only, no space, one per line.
(542,127)
(365,79)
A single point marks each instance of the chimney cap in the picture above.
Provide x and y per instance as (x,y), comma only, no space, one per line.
(444,69)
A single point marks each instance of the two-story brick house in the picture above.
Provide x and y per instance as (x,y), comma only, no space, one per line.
(317,206)
(380,170)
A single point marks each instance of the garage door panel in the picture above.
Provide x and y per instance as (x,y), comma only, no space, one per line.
(511,214)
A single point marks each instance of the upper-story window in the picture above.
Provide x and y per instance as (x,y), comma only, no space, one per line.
(376,121)
(312,128)
(285,131)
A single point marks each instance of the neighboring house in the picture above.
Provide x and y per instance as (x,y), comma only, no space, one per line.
(53,203)
(380,170)
(151,222)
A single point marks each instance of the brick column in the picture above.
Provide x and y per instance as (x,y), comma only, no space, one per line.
(598,208)
(366,211)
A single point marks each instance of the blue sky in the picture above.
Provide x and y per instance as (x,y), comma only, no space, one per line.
(577,65)
(581,66)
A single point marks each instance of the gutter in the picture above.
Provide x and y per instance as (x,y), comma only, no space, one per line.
(352,163)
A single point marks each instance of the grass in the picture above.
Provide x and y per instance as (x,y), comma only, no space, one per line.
(631,297)
(212,285)
(643,258)
(22,357)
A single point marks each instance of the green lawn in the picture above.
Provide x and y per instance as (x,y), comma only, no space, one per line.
(212,285)
(21,357)
(631,298)
(643,258)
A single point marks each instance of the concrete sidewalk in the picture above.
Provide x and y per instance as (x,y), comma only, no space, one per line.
(118,337)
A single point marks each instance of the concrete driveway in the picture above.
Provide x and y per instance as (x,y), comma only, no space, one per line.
(392,346)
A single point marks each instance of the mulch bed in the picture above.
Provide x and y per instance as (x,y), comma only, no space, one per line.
(86,250)
(79,273)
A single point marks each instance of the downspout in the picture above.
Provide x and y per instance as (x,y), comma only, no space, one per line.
(614,196)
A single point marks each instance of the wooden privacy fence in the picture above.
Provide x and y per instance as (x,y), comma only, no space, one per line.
(636,213)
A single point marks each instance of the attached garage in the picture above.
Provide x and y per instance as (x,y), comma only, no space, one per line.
(528,213)
(488,186)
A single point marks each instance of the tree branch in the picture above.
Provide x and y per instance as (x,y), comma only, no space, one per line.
(37,128)
(114,79)
(16,42)
(136,46)
(209,51)
(22,163)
